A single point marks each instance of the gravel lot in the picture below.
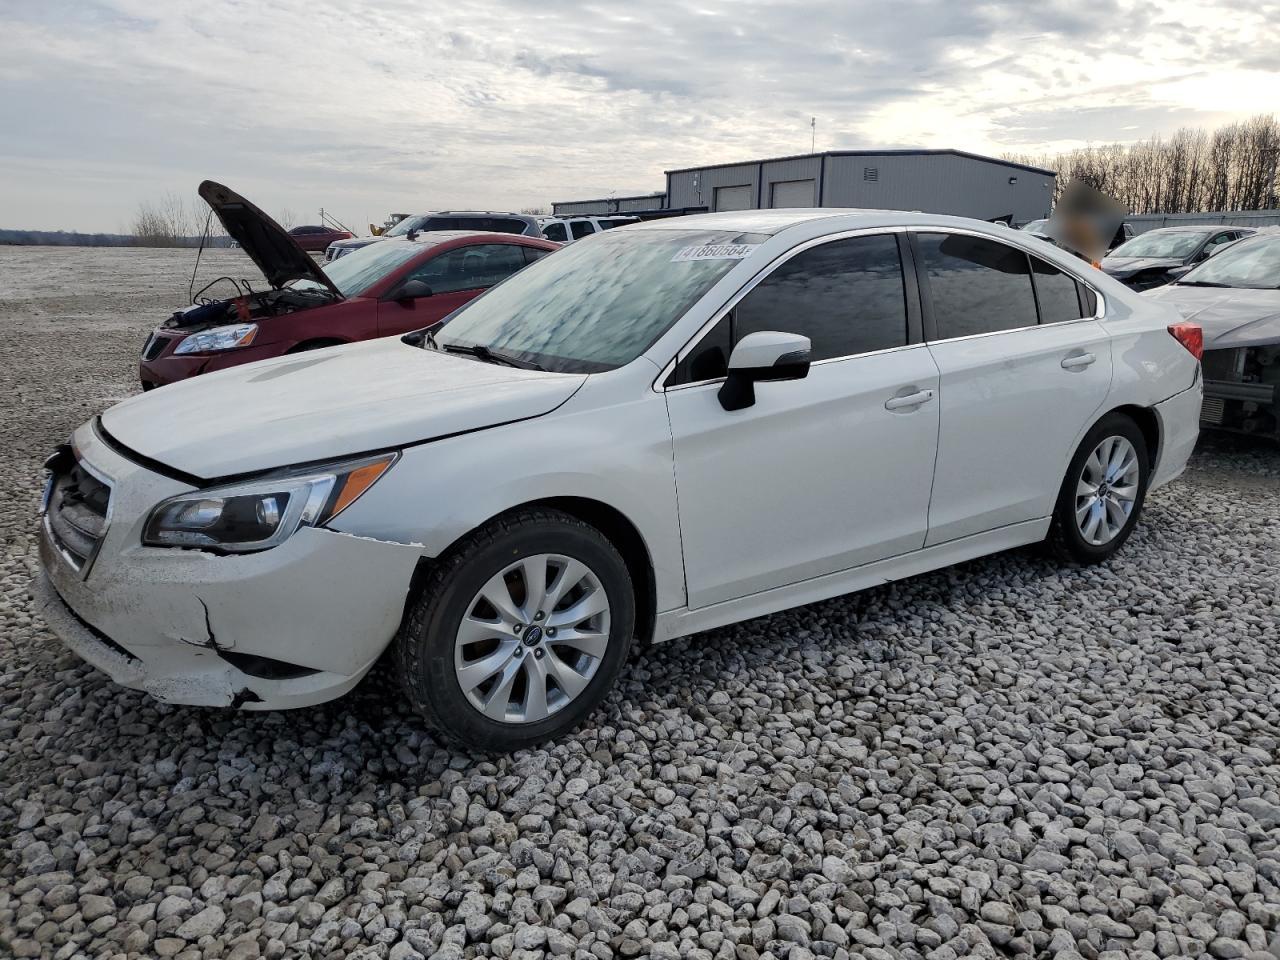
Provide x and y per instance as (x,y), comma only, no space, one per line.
(1002,759)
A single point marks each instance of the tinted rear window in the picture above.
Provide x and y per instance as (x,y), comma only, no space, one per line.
(976,285)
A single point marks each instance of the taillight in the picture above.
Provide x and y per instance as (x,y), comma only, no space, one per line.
(1190,336)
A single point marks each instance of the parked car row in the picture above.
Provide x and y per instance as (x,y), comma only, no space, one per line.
(517,224)
(1235,298)
(569,229)
(1158,256)
(506,500)
(406,281)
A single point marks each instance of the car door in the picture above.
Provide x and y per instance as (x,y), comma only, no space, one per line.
(455,277)
(819,474)
(1025,368)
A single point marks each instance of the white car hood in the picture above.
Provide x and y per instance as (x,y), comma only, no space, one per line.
(1230,316)
(327,404)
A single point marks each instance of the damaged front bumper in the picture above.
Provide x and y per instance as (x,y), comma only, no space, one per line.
(287,627)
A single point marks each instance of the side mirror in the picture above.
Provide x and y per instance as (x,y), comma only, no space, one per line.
(411,290)
(767,355)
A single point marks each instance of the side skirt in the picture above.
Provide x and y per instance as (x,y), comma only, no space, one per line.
(683,621)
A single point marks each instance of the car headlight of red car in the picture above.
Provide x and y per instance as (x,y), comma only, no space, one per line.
(219,338)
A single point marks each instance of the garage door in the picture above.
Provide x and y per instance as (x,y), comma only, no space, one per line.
(793,193)
(735,198)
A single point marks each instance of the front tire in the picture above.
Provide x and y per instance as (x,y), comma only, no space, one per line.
(518,632)
(1103,492)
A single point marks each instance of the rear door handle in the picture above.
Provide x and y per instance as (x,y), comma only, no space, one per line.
(910,400)
(1078,361)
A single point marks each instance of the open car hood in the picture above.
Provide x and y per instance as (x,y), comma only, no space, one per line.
(276,253)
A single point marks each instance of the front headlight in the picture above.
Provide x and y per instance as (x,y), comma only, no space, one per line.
(219,338)
(262,513)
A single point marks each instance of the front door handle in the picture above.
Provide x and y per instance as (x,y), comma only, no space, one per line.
(1078,361)
(910,400)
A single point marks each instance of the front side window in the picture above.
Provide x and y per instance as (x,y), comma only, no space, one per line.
(1057,293)
(408,225)
(976,285)
(846,296)
(555,231)
(596,306)
(581,228)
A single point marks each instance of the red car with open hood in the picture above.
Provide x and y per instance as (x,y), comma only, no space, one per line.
(387,288)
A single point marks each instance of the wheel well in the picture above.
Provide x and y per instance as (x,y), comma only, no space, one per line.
(1149,424)
(623,534)
(315,344)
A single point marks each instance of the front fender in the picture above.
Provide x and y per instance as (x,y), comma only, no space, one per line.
(617,454)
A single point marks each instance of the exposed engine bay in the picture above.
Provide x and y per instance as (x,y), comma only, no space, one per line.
(1242,390)
(248,306)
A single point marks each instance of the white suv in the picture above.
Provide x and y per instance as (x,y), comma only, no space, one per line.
(569,229)
(670,428)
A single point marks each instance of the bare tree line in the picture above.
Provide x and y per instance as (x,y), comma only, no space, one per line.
(1235,167)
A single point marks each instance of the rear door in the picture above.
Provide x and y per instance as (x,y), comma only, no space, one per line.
(820,474)
(1024,367)
(455,277)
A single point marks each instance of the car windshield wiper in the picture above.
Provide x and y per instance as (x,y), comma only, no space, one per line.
(1200,283)
(481,352)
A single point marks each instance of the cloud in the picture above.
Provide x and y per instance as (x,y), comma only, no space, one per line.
(369,106)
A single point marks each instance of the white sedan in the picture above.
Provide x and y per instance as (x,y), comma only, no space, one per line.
(656,431)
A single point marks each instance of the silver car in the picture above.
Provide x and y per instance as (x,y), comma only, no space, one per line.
(1235,298)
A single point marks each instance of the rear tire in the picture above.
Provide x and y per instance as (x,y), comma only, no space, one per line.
(530,666)
(1103,492)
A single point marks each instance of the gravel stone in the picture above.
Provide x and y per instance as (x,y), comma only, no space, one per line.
(1006,758)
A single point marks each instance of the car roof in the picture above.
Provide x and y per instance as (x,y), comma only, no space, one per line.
(1194,228)
(775,221)
(434,238)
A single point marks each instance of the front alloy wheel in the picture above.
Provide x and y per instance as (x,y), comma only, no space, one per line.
(518,632)
(534,636)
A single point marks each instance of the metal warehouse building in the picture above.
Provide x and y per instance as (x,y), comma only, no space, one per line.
(933,181)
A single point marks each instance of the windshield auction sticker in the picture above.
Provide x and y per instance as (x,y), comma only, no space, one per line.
(713,251)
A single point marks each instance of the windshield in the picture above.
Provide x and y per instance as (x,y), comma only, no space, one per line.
(361,269)
(1157,243)
(408,224)
(601,302)
(1249,263)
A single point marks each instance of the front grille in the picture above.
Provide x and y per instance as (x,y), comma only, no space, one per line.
(1222,364)
(76,510)
(155,346)
(1212,409)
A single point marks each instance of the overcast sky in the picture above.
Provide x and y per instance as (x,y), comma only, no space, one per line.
(373,106)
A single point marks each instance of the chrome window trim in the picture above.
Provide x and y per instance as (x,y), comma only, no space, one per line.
(735,298)
(815,363)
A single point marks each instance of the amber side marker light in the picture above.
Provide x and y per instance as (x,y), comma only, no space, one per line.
(1191,336)
(357,482)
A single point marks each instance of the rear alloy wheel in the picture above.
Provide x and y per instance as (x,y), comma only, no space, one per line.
(1103,492)
(518,632)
